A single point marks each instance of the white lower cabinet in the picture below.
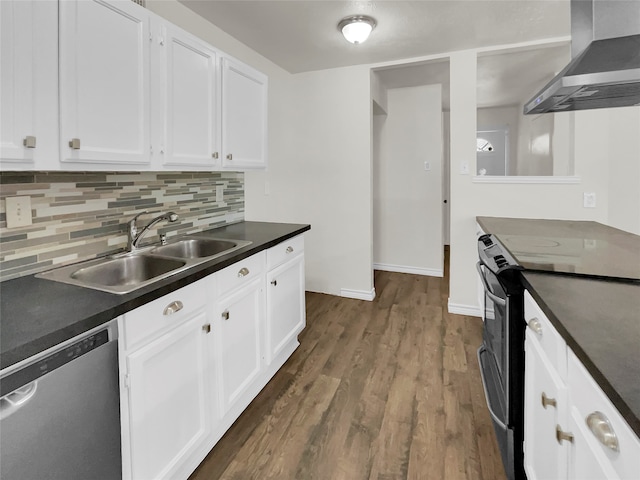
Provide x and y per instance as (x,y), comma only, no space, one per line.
(192,361)
(238,337)
(572,430)
(285,296)
(544,392)
(168,386)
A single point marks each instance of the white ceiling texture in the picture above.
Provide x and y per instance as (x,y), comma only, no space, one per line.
(302,35)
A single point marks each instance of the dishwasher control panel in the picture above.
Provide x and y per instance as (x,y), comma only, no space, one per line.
(55,360)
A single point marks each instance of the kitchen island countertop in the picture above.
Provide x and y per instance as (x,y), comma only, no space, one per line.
(37,314)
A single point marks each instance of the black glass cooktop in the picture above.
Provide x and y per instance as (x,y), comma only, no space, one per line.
(572,247)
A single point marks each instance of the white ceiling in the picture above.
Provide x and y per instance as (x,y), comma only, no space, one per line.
(504,79)
(302,35)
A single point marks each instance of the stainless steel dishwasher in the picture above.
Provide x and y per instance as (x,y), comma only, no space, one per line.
(60,412)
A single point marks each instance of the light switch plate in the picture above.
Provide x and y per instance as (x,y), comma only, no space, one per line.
(18,212)
(464,168)
(589,200)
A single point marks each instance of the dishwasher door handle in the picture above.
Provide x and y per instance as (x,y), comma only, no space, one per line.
(14,401)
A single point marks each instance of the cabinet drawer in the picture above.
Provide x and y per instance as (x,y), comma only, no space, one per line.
(587,398)
(284,251)
(552,344)
(240,273)
(147,321)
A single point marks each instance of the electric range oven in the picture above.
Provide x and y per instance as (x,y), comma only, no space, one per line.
(501,356)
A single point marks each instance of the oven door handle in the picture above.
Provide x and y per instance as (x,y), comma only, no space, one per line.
(502,425)
(490,294)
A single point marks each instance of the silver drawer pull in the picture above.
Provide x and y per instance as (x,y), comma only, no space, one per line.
(225,314)
(229,156)
(535,325)
(289,249)
(560,435)
(548,402)
(244,271)
(274,283)
(74,143)
(173,307)
(601,427)
(29,141)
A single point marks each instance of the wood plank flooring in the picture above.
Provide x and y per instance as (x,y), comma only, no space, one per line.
(388,389)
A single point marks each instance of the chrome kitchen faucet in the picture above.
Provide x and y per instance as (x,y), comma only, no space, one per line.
(134,236)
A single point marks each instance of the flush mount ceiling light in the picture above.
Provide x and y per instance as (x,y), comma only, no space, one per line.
(356,29)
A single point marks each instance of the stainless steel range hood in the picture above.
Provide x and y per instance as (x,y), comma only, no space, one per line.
(605,69)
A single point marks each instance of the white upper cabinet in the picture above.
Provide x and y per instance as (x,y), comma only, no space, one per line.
(28,87)
(189,100)
(109,85)
(104,83)
(244,116)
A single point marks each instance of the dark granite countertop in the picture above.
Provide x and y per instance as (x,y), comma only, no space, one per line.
(36,314)
(600,321)
(576,247)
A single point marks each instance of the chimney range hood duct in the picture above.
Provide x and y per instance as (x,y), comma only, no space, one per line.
(605,69)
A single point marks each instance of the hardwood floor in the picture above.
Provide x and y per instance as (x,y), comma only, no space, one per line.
(388,389)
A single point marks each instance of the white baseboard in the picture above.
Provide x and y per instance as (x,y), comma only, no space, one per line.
(358,294)
(429,272)
(470,310)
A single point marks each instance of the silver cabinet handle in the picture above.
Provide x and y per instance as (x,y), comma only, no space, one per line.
(29,141)
(561,435)
(206,328)
(214,154)
(289,249)
(229,156)
(74,143)
(535,325)
(274,282)
(173,307)
(244,271)
(225,315)
(600,426)
(548,402)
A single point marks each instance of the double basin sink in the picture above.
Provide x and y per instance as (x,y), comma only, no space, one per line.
(126,272)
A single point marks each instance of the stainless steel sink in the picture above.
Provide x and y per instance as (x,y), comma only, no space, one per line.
(198,248)
(127,272)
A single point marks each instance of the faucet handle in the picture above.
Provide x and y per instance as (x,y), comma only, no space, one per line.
(132,223)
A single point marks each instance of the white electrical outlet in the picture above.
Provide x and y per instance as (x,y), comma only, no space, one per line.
(219,193)
(464,168)
(589,200)
(427,166)
(18,212)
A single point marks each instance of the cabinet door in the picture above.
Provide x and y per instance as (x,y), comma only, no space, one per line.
(240,319)
(169,400)
(104,82)
(28,87)
(285,305)
(545,404)
(189,95)
(586,463)
(244,116)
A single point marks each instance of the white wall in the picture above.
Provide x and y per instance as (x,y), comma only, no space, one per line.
(624,169)
(489,118)
(326,180)
(407,200)
(594,150)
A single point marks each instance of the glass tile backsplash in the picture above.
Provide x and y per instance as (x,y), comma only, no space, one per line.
(78,216)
